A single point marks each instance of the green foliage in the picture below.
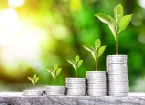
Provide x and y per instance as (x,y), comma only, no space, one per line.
(76,63)
(96,51)
(123,21)
(113,23)
(34,79)
(55,71)
(118,12)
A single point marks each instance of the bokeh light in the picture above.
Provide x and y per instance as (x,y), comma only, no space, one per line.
(15,3)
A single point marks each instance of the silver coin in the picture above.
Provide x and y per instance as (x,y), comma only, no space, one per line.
(33,92)
(76,90)
(122,56)
(118,77)
(118,84)
(121,65)
(55,91)
(120,91)
(117,59)
(76,94)
(97,90)
(55,87)
(96,81)
(47,92)
(75,85)
(116,66)
(117,71)
(98,86)
(116,62)
(75,80)
(102,73)
(113,89)
(97,94)
(118,94)
(123,88)
(54,94)
(100,80)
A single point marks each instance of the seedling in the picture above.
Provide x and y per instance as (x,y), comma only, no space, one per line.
(96,51)
(34,79)
(116,24)
(55,71)
(76,63)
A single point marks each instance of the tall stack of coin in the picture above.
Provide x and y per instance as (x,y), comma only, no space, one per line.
(96,83)
(117,75)
(55,90)
(76,86)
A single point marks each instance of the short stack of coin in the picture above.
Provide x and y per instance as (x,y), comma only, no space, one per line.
(96,83)
(117,75)
(76,86)
(55,90)
(33,92)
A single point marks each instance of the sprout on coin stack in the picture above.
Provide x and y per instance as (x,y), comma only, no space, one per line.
(76,86)
(117,64)
(55,90)
(96,80)
(35,91)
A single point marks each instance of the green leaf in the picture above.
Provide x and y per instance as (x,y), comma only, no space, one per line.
(30,78)
(103,18)
(124,21)
(36,80)
(55,66)
(77,58)
(33,82)
(112,20)
(49,70)
(118,11)
(101,51)
(94,55)
(53,74)
(34,76)
(89,48)
(58,71)
(97,43)
(112,28)
(73,63)
(79,63)
(92,50)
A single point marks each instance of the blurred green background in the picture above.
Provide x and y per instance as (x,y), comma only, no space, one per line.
(36,34)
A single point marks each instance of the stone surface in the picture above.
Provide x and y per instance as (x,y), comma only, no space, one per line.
(18,99)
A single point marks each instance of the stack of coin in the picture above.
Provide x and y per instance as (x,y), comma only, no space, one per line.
(96,83)
(55,90)
(117,75)
(33,92)
(76,86)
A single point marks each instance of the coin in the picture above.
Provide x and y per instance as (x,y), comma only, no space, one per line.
(70,85)
(116,59)
(75,80)
(32,92)
(118,77)
(118,94)
(98,86)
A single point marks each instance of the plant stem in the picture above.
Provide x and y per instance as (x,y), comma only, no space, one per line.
(76,73)
(116,44)
(34,86)
(116,37)
(96,64)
